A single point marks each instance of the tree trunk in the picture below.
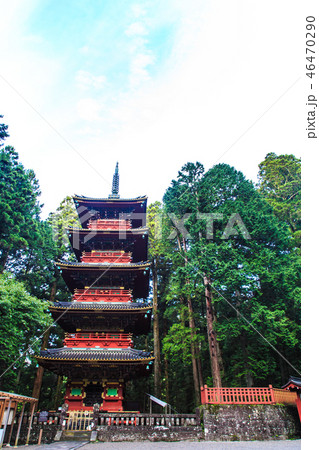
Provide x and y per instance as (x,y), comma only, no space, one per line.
(53,290)
(166,371)
(199,365)
(157,349)
(193,351)
(211,332)
(3,259)
(166,380)
(248,376)
(58,392)
(243,341)
(39,375)
(191,322)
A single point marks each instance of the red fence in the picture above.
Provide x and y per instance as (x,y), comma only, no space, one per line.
(246,396)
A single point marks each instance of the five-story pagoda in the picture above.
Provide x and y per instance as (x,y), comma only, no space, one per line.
(110,285)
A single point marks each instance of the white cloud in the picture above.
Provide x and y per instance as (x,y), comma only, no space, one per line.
(136,29)
(86,80)
(138,69)
(89,109)
(138,10)
(84,50)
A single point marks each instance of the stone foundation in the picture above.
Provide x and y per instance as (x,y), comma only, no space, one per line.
(250,422)
(149,433)
(49,431)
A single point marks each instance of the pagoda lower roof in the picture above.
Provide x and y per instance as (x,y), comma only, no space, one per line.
(109,306)
(129,317)
(96,363)
(130,266)
(117,232)
(94,354)
(133,276)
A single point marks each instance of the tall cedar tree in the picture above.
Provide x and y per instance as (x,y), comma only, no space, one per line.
(158,255)
(259,275)
(3,132)
(258,278)
(280,184)
(181,201)
(19,206)
(57,223)
(22,319)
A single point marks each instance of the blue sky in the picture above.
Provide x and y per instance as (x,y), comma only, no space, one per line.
(151,84)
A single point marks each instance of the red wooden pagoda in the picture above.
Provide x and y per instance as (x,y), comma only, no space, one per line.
(110,285)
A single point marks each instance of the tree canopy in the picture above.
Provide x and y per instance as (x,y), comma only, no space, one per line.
(280,184)
(225,283)
(234,272)
(19,206)
(23,320)
(3,131)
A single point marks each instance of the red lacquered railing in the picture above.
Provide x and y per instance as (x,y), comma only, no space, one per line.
(102,295)
(246,396)
(240,396)
(113,340)
(109,224)
(283,396)
(106,256)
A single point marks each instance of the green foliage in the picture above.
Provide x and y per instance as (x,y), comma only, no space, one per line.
(3,132)
(254,272)
(23,319)
(19,207)
(280,184)
(65,216)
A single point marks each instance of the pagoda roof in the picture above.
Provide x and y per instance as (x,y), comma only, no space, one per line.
(101,306)
(133,276)
(134,240)
(95,354)
(112,232)
(92,208)
(83,198)
(129,317)
(96,362)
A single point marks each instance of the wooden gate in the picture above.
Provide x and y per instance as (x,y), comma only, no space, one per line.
(79,421)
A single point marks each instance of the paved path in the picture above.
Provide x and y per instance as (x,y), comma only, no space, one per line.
(183,445)
(191,445)
(63,445)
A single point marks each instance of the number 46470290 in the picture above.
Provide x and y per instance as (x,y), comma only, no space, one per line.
(310,42)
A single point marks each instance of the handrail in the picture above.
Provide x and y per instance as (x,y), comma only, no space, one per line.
(246,396)
(98,336)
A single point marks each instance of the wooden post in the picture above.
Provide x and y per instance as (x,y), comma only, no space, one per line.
(19,426)
(40,435)
(272,399)
(30,424)
(12,423)
(5,422)
(298,404)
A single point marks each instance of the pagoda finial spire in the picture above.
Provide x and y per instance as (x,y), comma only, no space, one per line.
(116,183)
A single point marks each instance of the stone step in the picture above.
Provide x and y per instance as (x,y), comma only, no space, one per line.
(76,436)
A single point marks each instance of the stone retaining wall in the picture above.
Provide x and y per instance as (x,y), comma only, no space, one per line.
(49,431)
(147,433)
(250,422)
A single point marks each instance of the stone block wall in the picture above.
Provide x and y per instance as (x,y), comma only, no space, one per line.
(250,422)
(149,433)
(49,431)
